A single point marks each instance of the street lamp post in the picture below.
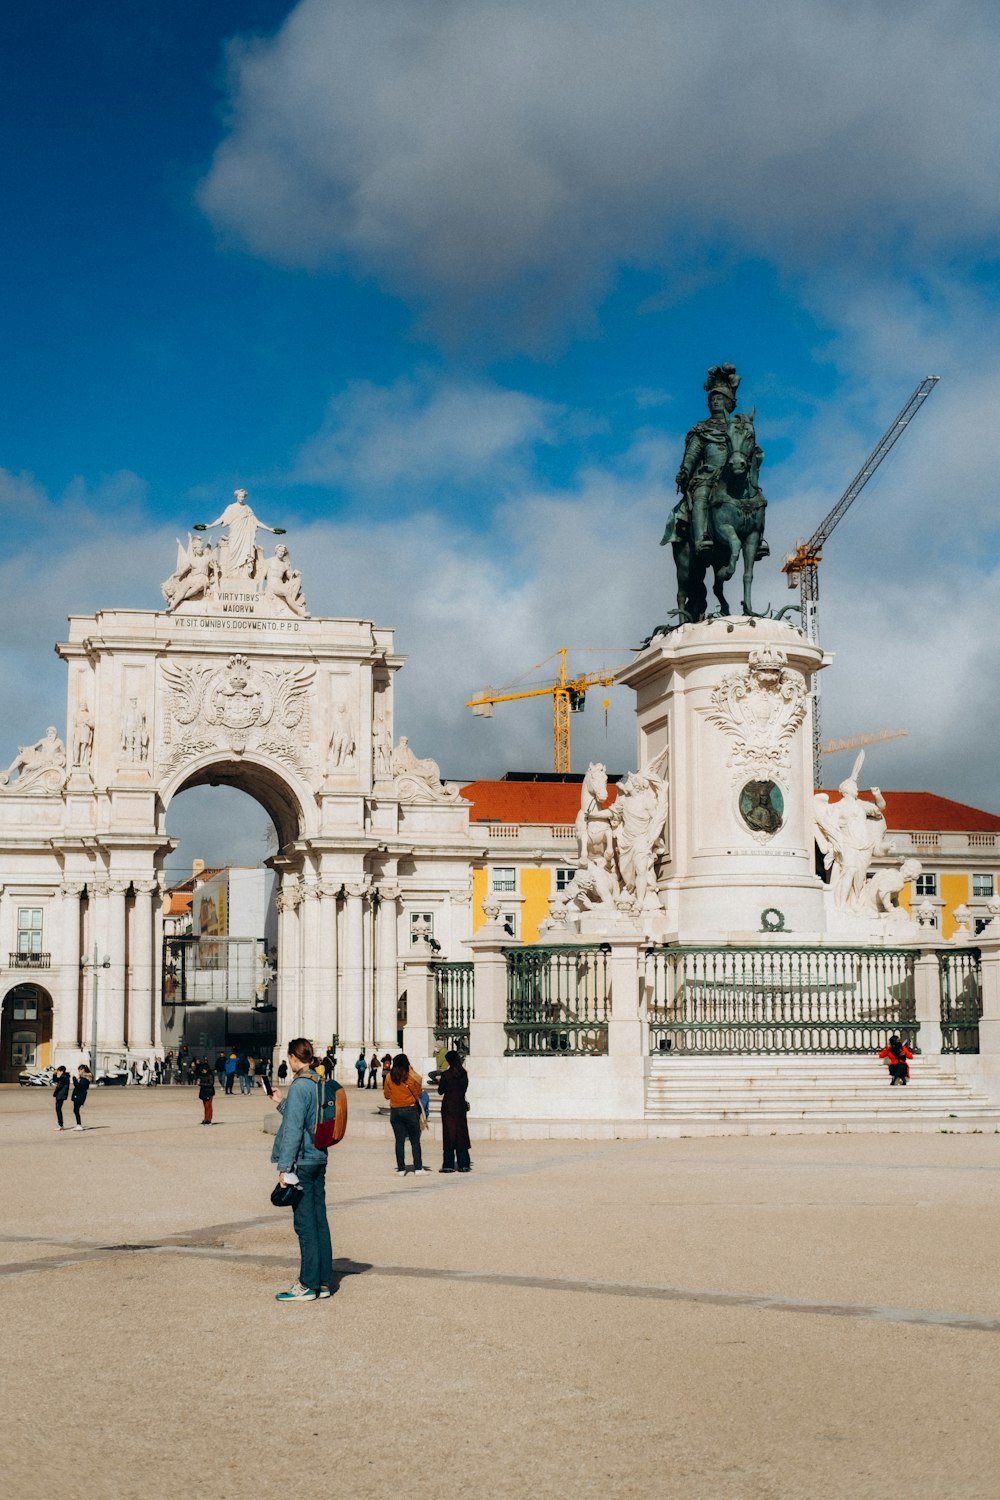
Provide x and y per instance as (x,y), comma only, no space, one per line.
(93,965)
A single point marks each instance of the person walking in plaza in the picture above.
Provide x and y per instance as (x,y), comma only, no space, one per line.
(361,1067)
(373,1071)
(386,1065)
(206,1093)
(294,1153)
(81,1083)
(403,1088)
(453,1085)
(231,1062)
(896,1054)
(330,1062)
(243,1072)
(60,1093)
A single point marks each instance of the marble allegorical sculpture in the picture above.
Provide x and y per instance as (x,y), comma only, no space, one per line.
(620,843)
(135,733)
(281,581)
(228,578)
(83,737)
(417,780)
(342,740)
(720,515)
(239,555)
(850,833)
(41,766)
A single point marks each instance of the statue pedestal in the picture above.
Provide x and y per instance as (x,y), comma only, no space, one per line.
(724,705)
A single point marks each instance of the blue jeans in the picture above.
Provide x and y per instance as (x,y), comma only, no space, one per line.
(313,1229)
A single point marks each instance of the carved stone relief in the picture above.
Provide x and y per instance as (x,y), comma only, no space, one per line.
(760,707)
(238,707)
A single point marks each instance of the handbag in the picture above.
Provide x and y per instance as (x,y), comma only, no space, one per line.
(420,1110)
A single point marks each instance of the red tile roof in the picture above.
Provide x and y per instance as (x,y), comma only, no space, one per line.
(927,812)
(559,802)
(525,801)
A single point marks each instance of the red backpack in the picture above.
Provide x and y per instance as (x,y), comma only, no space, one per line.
(331,1114)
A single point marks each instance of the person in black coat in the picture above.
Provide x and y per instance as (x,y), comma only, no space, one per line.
(81,1083)
(453,1086)
(60,1093)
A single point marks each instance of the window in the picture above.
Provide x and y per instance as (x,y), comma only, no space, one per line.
(982,885)
(22,1049)
(24,1005)
(564,879)
(926,885)
(29,930)
(509,920)
(421,926)
(505,879)
(981,924)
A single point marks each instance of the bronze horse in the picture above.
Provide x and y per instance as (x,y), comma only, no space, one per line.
(736,523)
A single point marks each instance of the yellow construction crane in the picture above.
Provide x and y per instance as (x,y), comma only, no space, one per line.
(568,697)
(856,741)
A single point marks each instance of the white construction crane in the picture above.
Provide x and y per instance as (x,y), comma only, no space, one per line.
(802,568)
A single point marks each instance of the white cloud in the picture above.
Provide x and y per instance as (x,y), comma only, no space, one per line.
(427,428)
(501,154)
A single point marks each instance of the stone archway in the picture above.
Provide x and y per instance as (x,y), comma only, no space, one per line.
(25,1030)
(219,980)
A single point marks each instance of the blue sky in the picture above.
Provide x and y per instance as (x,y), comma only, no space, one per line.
(439,283)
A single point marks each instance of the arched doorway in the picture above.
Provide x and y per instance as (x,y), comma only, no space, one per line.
(219,958)
(25,1030)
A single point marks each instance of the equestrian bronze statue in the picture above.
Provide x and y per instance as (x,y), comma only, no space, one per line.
(720,515)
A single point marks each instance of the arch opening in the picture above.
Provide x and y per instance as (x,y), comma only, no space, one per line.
(25,1030)
(219,959)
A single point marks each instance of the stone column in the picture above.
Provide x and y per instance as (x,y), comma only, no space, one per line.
(66,1030)
(112,1031)
(418,1033)
(309,951)
(157,898)
(140,1010)
(354,969)
(927,997)
(626,1098)
(289,966)
(387,969)
(487,1036)
(989,1026)
(328,1016)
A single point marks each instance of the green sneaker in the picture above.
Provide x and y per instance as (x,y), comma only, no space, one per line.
(297,1293)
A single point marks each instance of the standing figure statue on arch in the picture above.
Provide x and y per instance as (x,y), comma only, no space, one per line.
(720,515)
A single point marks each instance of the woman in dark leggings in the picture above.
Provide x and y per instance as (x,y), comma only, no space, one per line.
(402,1088)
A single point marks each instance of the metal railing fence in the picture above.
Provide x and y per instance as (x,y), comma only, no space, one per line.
(961,1000)
(454,1004)
(558,1000)
(703,1000)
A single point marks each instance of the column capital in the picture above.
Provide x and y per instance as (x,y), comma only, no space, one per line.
(71,888)
(359,889)
(388,892)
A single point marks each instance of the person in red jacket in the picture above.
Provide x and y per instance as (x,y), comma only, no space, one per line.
(896,1054)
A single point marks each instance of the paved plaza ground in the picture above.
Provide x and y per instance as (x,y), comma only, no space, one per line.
(773,1318)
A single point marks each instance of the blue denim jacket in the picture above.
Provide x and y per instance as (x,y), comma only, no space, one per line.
(294,1142)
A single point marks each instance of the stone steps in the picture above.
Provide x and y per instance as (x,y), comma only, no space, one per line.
(811,1092)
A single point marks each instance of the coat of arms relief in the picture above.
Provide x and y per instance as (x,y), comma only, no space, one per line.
(760,708)
(237,707)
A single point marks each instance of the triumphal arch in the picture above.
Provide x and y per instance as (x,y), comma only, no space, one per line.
(233,683)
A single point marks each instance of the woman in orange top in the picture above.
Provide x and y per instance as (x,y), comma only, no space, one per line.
(895,1055)
(402,1088)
